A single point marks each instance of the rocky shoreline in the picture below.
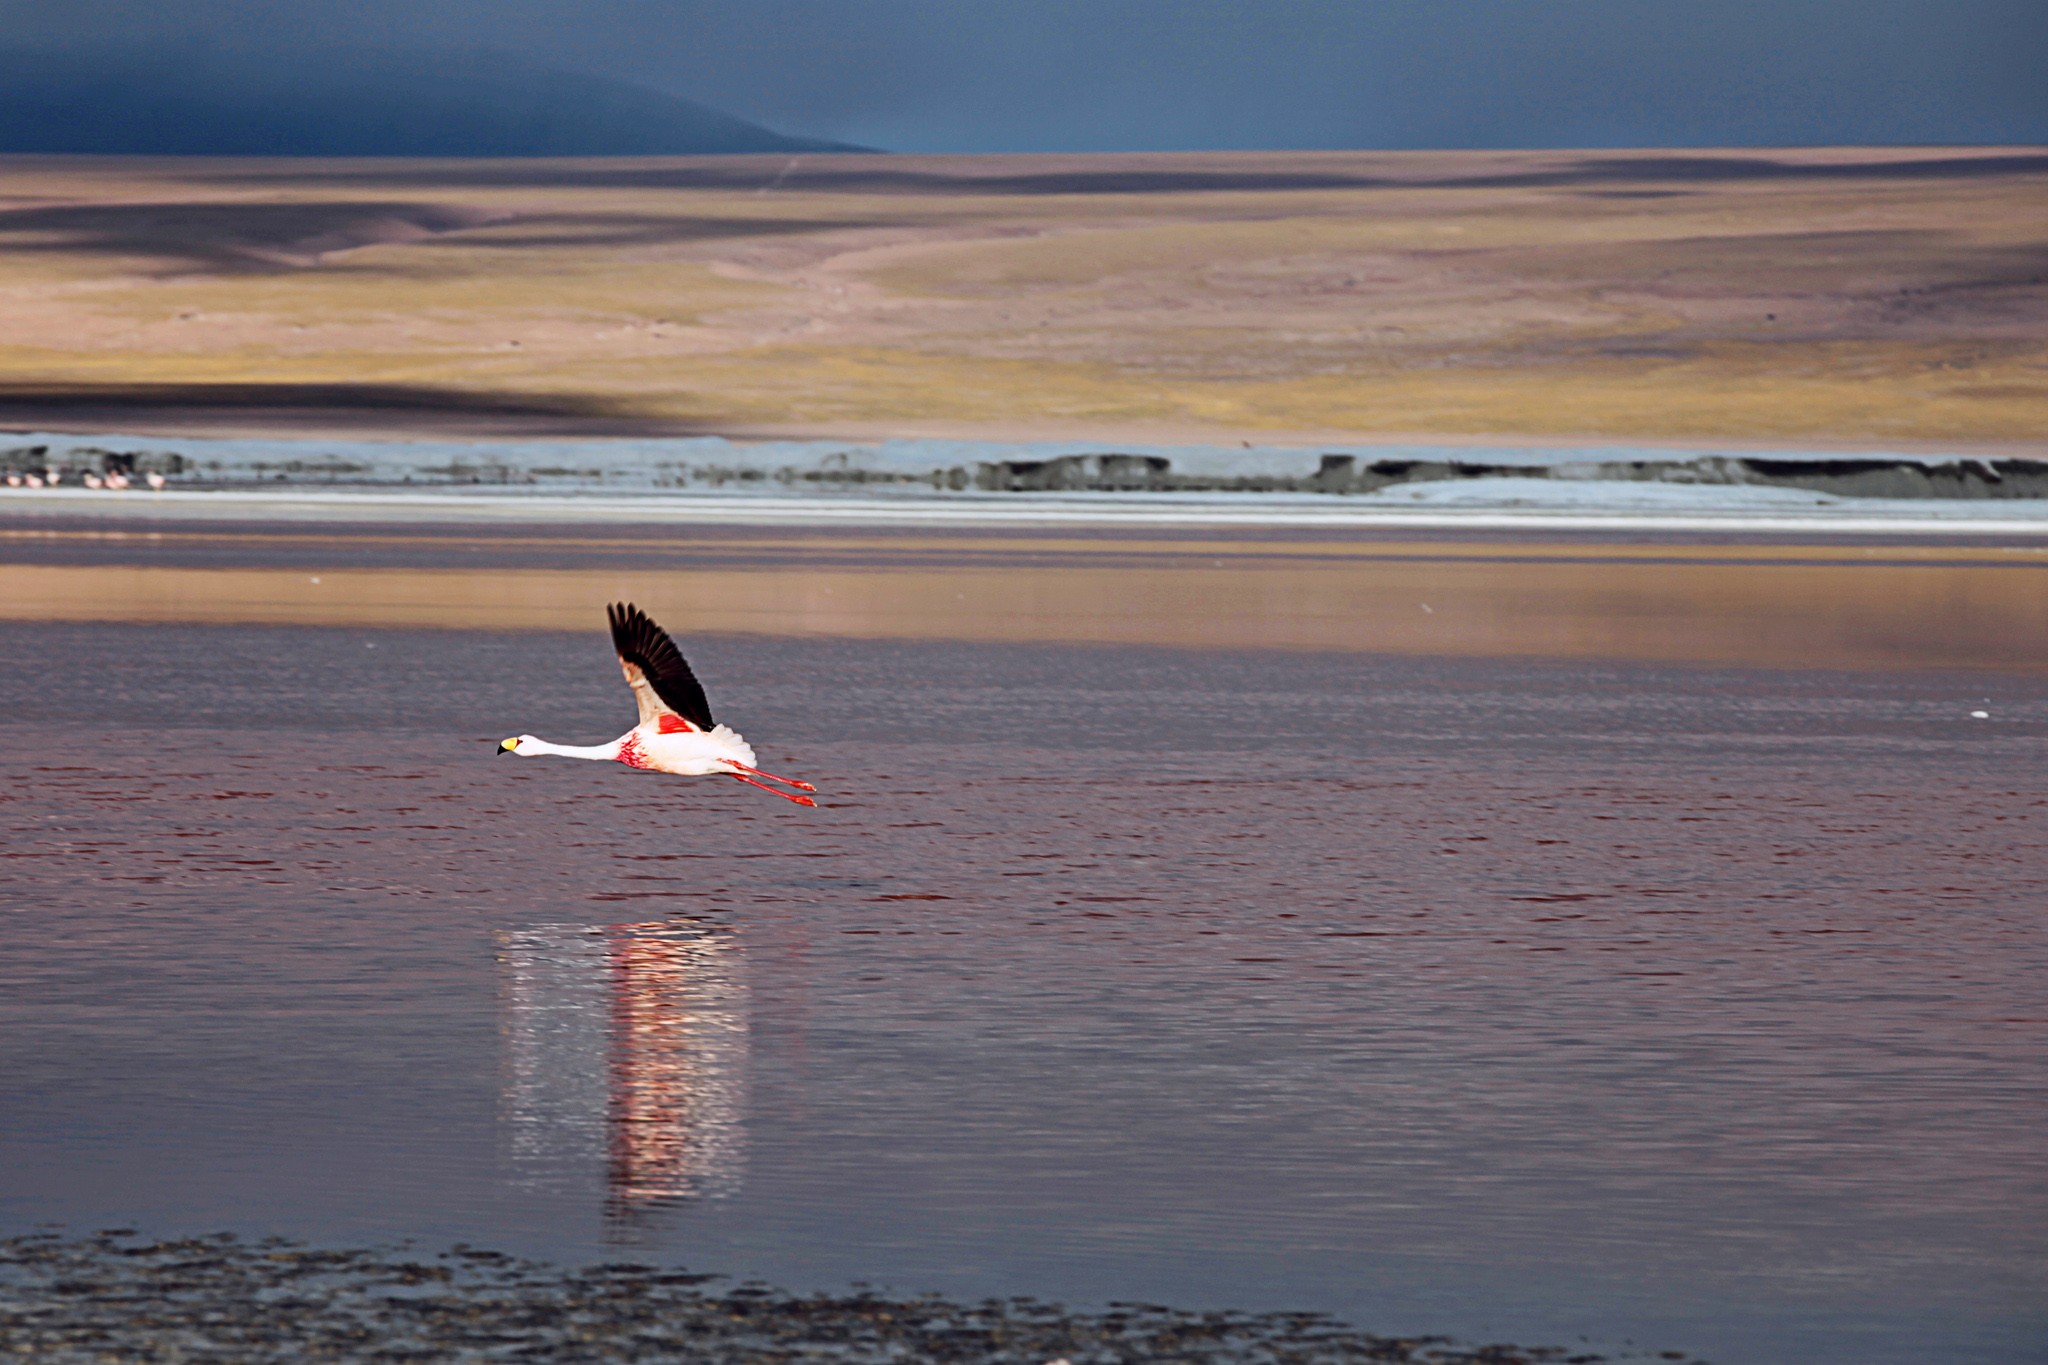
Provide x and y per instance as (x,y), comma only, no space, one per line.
(114,1296)
(933,466)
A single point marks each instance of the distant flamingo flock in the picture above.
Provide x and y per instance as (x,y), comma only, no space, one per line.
(113,480)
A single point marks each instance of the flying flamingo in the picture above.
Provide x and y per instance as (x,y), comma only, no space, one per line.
(675,733)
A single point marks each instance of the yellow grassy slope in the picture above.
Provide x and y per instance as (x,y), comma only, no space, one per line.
(1877,296)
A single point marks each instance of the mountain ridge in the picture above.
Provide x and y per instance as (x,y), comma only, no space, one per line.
(353,103)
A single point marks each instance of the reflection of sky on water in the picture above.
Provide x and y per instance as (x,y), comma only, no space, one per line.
(1735,604)
(626,1052)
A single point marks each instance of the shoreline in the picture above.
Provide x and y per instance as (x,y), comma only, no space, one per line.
(300,505)
(80,1299)
(907,481)
(514,430)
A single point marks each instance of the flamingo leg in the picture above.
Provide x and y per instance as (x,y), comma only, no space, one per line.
(800,786)
(787,796)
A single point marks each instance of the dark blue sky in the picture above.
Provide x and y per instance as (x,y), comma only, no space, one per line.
(981,75)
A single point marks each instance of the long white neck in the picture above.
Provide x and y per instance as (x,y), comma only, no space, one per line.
(606,752)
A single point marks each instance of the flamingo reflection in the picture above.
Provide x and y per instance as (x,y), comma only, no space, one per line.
(627,1050)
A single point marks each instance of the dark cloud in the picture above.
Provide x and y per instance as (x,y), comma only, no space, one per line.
(972,75)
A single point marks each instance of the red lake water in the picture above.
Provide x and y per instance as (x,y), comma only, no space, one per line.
(1541,996)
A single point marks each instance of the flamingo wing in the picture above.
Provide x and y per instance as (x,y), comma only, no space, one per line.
(662,682)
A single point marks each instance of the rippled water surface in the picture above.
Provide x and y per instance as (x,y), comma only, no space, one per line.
(1539,1000)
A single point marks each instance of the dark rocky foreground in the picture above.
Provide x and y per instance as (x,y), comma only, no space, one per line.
(114,1297)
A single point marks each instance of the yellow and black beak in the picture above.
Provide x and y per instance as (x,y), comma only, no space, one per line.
(509,746)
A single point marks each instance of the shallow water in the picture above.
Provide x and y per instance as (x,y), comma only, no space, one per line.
(1539,1000)
(1745,602)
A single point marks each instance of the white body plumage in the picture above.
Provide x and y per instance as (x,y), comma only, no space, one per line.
(686,753)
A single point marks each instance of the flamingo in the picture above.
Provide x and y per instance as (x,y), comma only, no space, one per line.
(676,733)
(155,480)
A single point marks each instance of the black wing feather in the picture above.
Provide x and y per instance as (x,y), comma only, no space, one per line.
(646,646)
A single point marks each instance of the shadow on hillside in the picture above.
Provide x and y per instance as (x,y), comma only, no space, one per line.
(857,174)
(409,408)
(216,237)
(224,237)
